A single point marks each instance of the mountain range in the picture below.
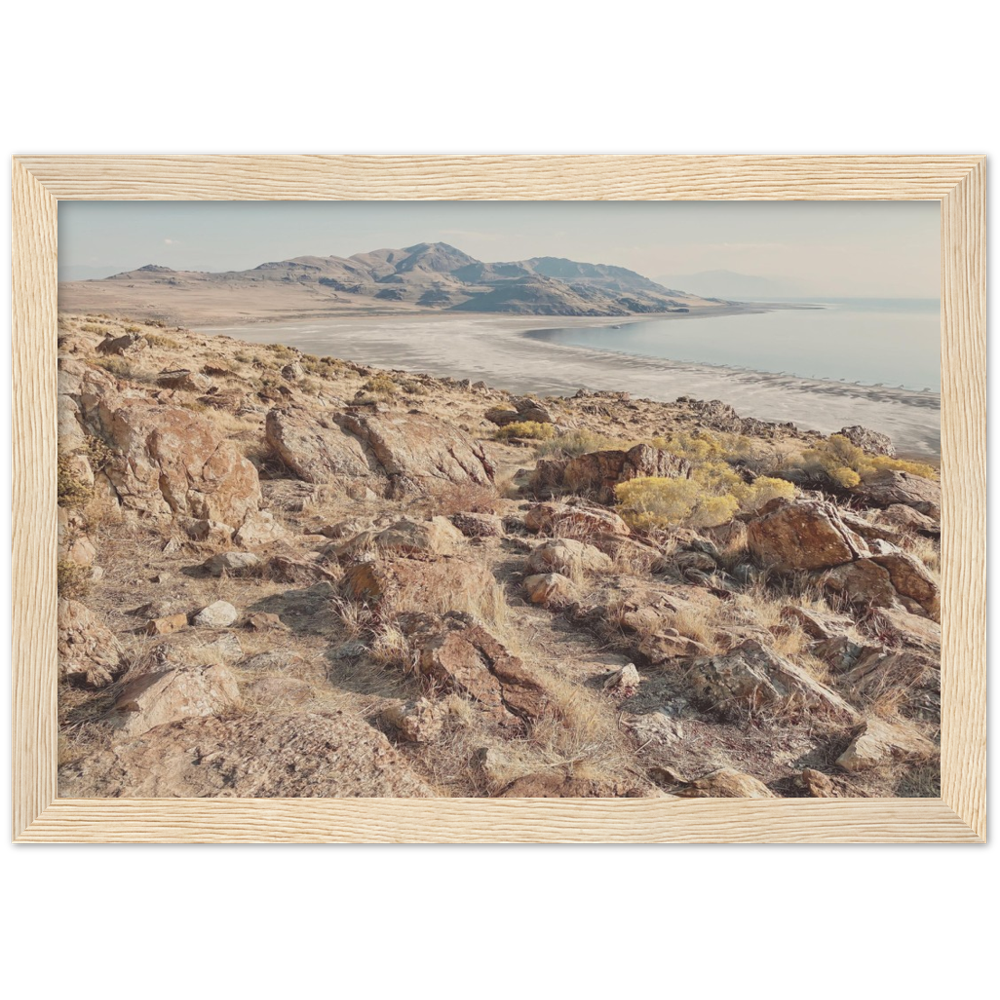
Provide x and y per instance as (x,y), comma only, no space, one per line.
(419,278)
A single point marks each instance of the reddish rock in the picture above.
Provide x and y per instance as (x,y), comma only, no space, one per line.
(568,521)
(803,535)
(89,653)
(157,698)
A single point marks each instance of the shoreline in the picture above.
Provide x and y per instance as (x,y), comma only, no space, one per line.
(499,351)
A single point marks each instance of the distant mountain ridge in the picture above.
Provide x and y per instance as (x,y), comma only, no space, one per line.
(425,276)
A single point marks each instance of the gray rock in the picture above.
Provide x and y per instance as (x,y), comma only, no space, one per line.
(217,615)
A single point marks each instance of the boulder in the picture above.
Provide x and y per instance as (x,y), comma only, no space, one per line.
(532,410)
(876,742)
(170,460)
(862,583)
(259,529)
(888,487)
(184,379)
(75,545)
(568,557)
(265,621)
(667,644)
(816,784)
(208,532)
(419,448)
(897,627)
(752,676)
(568,521)
(157,698)
(473,662)
(476,525)
(909,577)
(311,443)
(282,755)
(502,415)
(166,624)
(623,683)
(216,615)
(598,473)
(285,569)
(890,578)
(89,653)
(232,564)
(126,345)
(436,537)
(871,441)
(344,529)
(411,448)
(803,535)
(817,625)
(416,721)
(725,783)
(413,585)
(901,519)
(550,589)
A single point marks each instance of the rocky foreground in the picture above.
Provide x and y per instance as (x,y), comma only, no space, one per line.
(284,575)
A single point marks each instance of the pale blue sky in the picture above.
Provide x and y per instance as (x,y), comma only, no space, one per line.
(882,249)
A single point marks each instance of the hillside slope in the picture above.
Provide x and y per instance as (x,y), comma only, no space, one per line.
(284,575)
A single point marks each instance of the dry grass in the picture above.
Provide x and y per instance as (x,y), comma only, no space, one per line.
(465,498)
(927,550)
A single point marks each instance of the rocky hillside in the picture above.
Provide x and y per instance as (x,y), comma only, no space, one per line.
(425,277)
(284,575)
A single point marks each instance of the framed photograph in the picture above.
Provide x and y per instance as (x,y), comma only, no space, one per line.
(499,498)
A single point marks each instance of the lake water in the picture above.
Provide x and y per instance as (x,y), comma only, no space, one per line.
(894,342)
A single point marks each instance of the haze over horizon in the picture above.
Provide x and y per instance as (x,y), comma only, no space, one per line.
(844,249)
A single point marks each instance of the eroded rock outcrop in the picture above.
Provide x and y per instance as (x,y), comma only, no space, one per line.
(89,653)
(153,699)
(403,450)
(750,676)
(170,460)
(803,535)
(598,473)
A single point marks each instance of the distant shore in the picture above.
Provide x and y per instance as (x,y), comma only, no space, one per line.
(497,350)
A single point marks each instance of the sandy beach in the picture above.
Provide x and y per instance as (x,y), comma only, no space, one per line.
(496,350)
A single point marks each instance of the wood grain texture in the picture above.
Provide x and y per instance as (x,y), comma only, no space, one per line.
(957,181)
(34,679)
(576,178)
(963,483)
(785,821)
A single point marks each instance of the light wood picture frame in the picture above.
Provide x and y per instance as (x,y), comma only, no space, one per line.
(957,182)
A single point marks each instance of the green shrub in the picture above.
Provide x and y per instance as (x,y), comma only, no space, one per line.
(525,429)
(659,502)
(382,386)
(844,477)
(838,457)
(71,491)
(711,496)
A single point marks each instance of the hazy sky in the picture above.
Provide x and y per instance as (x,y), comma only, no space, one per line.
(882,249)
